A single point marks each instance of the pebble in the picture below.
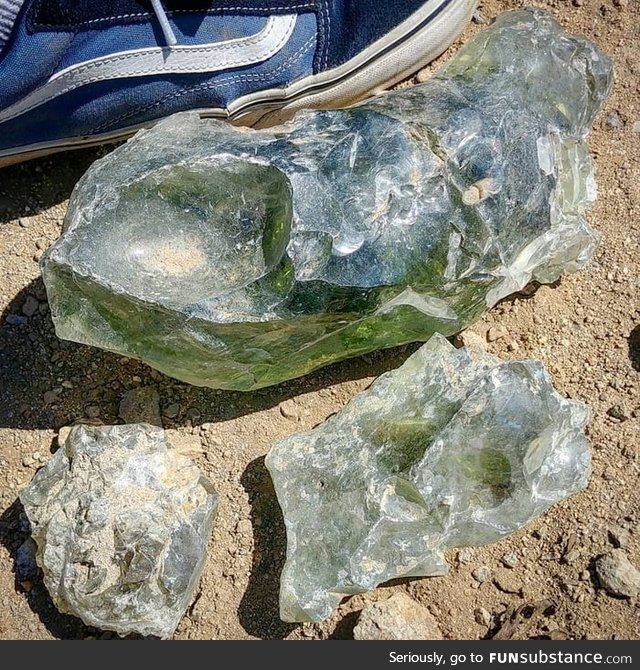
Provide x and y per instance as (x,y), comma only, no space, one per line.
(613,121)
(478,17)
(618,411)
(509,560)
(482,616)
(482,574)
(398,618)
(571,556)
(289,410)
(472,340)
(508,584)
(30,306)
(92,411)
(16,320)
(50,397)
(617,575)
(171,411)
(495,333)
(619,537)
(466,555)
(25,564)
(141,405)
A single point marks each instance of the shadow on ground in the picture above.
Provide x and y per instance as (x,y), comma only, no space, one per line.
(29,188)
(13,532)
(634,348)
(48,383)
(259,606)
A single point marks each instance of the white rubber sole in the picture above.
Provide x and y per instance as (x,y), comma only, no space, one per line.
(400,53)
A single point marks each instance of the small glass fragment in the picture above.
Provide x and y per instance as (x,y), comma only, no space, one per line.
(454,448)
(121,522)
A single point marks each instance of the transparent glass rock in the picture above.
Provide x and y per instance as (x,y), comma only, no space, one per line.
(454,448)
(238,258)
(121,522)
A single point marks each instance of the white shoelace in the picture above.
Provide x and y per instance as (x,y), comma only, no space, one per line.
(167,30)
(9,10)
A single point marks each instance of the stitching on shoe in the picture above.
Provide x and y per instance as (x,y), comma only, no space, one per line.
(328,38)
(256,39)
(221,83)
(253,40)
(211,12)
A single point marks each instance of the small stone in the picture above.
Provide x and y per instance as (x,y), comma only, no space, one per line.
(478,17)
(613,121)
(540,533)
(25,221)
(636,127)
(618,411)
(482,616)
(466,555)
(194,415)
(509,560)
(171,411)
(509,584)
(50,397)
(289,410)
(482,574)
(619,537)
(141,405)
(585,576)
(513,346)
(92,411)
(472,340)
(16,320)
(27,461)
(25,564)
(398,618)
(571,556)
(30,306)
(578,3)
(617,575)
(495,333)
(620,3)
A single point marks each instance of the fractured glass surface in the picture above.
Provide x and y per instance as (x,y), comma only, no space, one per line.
(454,448)
(121,522)
(238,258)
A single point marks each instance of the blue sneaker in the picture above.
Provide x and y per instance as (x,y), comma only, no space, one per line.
(82,72)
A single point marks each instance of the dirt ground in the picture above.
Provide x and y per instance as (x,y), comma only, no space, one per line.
(586,329)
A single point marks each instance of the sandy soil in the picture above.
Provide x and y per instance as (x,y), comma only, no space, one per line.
(585,329)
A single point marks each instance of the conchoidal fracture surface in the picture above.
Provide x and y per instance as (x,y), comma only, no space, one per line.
(452,449)
(236,259)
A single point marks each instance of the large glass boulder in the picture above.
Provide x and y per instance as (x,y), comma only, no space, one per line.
(237,258)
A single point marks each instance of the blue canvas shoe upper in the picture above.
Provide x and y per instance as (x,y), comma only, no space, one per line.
(72,70)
